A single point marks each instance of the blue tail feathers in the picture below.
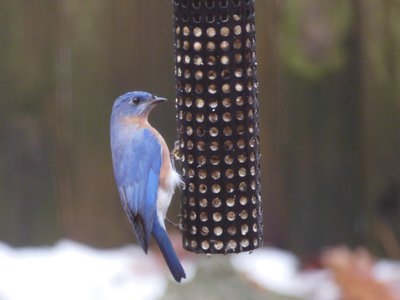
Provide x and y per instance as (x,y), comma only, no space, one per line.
(168,252)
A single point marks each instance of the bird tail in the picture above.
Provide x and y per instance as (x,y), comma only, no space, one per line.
(168,252)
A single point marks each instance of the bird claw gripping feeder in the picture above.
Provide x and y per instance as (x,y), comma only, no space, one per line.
(217,112)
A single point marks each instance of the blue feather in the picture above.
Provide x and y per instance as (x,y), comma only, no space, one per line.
(137,163)
(137,158)
(162,239)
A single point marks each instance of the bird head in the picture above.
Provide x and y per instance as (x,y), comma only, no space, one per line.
(135,104)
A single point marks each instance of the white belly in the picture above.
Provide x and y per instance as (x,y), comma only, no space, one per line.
(164,196)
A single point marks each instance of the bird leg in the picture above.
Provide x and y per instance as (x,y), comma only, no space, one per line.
(176,225)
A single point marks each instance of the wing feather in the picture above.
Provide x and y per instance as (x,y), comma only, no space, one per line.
(137,164)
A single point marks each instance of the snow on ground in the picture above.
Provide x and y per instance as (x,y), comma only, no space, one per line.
(74,271)
(278,271)
(388,271)
(70,270)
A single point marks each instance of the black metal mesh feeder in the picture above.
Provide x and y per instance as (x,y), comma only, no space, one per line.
(217,111)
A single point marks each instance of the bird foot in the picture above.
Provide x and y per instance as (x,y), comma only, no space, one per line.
(176,153)
(176,225)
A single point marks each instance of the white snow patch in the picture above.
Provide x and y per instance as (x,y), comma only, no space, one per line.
(70,270)
(278,271)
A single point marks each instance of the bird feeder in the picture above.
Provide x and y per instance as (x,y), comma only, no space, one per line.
(217,112)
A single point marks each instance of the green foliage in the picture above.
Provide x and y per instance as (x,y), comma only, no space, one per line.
(313,36)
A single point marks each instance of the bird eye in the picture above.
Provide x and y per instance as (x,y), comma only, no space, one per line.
(134,101)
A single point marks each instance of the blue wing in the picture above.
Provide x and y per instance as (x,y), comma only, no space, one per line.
(137,163)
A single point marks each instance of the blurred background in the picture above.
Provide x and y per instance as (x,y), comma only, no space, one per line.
(329,74)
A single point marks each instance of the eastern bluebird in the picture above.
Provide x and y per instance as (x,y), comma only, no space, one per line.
(144,173)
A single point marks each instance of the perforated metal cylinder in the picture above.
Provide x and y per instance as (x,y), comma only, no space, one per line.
(217,112)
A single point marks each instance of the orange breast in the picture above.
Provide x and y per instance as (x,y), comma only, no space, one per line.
(166,167)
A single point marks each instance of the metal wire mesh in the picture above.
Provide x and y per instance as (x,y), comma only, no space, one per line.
(217,111)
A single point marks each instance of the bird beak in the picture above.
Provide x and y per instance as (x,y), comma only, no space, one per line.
(157,100)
